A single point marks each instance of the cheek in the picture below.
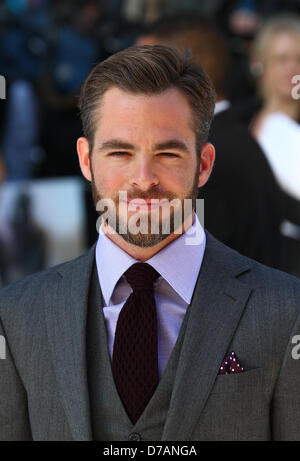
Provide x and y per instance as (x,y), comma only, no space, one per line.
(278,77)
(171,178)
(108,178)
(181,178)
(271,77)
(178,182)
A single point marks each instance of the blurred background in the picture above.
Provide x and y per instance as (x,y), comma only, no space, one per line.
(251,51)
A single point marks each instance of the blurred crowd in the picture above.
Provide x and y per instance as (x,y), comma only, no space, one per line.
(251,51)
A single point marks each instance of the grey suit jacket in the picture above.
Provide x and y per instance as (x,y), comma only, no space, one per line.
(237,305)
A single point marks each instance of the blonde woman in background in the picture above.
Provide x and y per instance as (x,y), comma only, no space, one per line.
(276,64)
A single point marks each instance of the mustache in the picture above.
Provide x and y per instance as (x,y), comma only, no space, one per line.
(150,195)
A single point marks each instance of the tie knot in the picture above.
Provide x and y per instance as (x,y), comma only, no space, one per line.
(141,276)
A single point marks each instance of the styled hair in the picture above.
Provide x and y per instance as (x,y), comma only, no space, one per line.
(149,70)
(281,23)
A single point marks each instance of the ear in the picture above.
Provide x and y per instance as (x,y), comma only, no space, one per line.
(206,164)
(83,151)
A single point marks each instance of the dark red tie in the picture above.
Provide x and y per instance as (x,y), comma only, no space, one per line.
(134,363)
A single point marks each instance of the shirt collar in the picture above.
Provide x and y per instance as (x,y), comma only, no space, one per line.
(178,263)
(221,106)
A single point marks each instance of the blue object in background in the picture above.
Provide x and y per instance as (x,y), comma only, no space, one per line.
(20,131)
(16,6)
(75,55)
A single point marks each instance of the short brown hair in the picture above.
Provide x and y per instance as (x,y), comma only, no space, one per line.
(149,70)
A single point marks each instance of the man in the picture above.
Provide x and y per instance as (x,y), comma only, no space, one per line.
(195,341)
(243,204)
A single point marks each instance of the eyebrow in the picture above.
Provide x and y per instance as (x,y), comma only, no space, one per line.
(169,144)
(172,144)
(116,144)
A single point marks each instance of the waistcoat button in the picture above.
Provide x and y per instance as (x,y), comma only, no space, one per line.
(134,436)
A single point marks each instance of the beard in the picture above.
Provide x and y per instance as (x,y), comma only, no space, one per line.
(173,222)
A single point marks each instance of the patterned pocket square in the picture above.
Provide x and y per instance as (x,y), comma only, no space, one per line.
(230,364)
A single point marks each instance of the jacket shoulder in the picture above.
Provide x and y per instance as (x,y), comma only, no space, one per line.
(41,283)
(273,292)
(248,270)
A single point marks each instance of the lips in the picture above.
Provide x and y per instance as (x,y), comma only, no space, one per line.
(146,200)
(146,203)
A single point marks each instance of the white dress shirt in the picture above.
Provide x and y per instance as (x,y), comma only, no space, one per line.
(221,106)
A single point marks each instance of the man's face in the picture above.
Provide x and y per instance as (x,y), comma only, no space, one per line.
(145,146)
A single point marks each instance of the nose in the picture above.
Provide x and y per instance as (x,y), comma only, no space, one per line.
(142,174)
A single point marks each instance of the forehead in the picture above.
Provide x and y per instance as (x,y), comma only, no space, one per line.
(167,112)
(284,41)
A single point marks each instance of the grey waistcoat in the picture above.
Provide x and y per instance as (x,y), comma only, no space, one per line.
(110,421)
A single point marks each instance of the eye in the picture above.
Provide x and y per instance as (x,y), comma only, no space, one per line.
(118,154)
(168,154)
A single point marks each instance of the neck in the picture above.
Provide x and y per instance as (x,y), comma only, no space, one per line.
(288,106)
(144,253)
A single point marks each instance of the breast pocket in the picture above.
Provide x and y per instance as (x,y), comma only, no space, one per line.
(239,382)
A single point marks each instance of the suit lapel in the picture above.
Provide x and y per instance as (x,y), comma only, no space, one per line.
(217,305)
(66,327)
